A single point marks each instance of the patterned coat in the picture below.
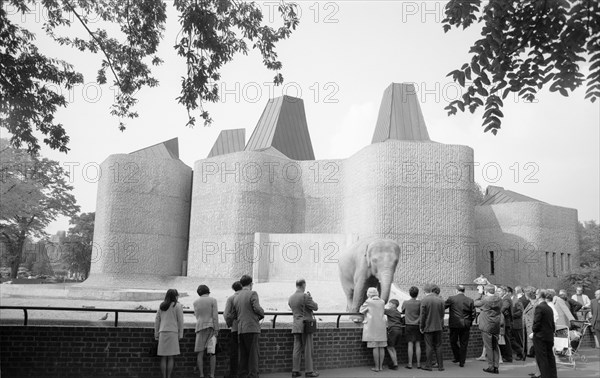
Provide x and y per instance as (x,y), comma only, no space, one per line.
(374,324)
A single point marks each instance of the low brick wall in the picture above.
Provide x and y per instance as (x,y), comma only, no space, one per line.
(123,352)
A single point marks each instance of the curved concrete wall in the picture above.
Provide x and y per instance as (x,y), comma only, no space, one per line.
(142,216)
(521,234)
(416,193)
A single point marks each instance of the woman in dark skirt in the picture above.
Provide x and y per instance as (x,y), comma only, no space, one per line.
(168,330)
(412,311)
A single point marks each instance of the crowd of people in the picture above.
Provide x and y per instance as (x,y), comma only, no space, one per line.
(514,323)
(243,314)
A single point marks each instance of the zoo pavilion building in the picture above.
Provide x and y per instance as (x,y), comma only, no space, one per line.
(268,208)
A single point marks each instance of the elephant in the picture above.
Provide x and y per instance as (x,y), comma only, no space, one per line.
(368,262)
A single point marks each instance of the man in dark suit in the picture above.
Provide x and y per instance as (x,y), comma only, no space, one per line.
(247,311)
(517,325)
(489,324)
(432,322)
(228,314)
(543,337)
(522,298)
(302,306)
(506,349)
(462,314)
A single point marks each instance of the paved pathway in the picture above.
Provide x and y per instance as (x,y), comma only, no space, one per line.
(473,368)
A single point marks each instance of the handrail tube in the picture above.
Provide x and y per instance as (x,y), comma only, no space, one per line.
(149,311)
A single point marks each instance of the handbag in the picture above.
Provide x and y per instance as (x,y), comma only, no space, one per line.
(310,325)
(153,349)
(501,340)
(213,346)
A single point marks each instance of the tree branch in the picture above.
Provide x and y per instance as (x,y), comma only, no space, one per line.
(72,9)
(530,32)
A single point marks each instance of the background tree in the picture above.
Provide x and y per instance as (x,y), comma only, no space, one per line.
(34,192)
(589,243)
(212,33)
(525,46)
(588,273)
(78,244)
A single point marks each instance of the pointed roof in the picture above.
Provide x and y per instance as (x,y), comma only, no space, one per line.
(400,115)
(283,126)
(168,149)
(228,141)
(496,194)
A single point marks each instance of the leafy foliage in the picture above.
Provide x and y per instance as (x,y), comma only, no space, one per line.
(588,273)
(525,45)
(78,244)
(34,192)
(212,32)
(588,277)
(26,102)
(589,243)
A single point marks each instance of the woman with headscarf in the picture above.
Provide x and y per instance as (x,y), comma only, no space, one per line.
(374,330)
(168,330)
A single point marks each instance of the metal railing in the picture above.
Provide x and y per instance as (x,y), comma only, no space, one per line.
(116,311)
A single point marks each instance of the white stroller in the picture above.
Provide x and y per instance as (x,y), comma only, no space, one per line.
(566,343)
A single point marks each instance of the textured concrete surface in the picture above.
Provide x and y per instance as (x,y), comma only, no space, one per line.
(142,216)
(419,194)
(286,257)
(521,234)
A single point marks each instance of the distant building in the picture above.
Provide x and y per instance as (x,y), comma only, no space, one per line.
(268,208)
(38,258)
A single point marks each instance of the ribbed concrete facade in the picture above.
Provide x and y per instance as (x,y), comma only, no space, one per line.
(142,216)
(532,242)
(416,193)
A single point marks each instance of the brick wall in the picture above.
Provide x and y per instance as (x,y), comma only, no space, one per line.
(122,352)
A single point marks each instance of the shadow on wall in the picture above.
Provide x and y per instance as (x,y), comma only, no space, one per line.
(509,259)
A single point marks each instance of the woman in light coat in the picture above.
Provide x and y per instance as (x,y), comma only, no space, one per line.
(207,329)
(528,312)
(168,330)
(374,330)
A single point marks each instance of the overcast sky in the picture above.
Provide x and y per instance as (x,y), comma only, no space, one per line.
(340,60)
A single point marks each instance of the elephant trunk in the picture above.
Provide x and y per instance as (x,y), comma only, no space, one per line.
(385,281)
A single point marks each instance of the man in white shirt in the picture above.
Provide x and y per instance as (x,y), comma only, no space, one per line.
(583,299)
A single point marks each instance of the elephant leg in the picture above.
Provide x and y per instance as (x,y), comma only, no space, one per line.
(348,287)
(349,299)
(360,288)
(360,285)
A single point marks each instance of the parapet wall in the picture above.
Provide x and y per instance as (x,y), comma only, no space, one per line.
(523,235)
(142,216)
(123,352)
(417,193)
